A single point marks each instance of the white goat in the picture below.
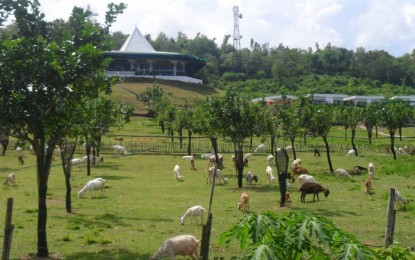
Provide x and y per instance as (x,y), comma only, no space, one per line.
(176,171)
(342,172)
(85,159)
(250,177)
(219,174)
(19,151)
(10,179)
(120,150)
(188,157)
(351,153)
(193,212)
(185,245)
(296,163)
(270,159)
(95,184)
(76,161)
(371,169)
(270,176)
(289,148)
(399,198)
(305,178)
(261,147)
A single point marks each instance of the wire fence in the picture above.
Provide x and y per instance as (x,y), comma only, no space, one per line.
(136,144)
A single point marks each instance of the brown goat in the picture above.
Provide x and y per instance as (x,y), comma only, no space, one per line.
(368,185)
(243,204)
(312,188)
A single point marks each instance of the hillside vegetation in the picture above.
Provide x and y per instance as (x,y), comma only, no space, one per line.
(178,93)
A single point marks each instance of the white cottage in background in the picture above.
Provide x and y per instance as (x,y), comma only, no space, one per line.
(328,98)
(362,100)
(409,99)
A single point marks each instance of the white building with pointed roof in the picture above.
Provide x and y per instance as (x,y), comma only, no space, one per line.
(137,58)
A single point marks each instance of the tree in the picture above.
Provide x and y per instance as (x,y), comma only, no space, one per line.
(236,117)
(184,120)
(320,125)
(369,118)
(151,95)
(392,115)
(43,82)
(352,115)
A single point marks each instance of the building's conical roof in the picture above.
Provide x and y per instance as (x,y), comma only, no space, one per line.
(136,42)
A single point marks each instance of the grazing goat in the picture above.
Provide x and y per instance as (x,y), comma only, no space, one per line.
(359,169)
(351,153)
(243,203)
(312,188)
(219,174)
(270,160)
(287,199)
(95,184)
(176,171)
(261,147)
(193,212)
(212,161)
(342,172)
(399,198)
(270,176)
(245,159)
(368,185)
(120,150)
(185,245)
(299,170)
(20,160)
(10,179)
(76,161)
(251,177)
(188,157)
(371,170)
(289,148)
(316,152)
(305,178)
(296,163)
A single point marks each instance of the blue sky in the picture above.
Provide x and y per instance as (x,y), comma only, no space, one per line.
(372,24)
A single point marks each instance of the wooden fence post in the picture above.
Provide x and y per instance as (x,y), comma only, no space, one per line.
(390,223)
(8,230)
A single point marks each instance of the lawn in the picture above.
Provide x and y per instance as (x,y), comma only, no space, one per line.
(143,202)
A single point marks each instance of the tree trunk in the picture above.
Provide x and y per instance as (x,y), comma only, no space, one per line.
(392,137)
(43,169)
(369,130)
(88,152)
(273,143)
(67,151)
(400,133)
(353,144)
(189,147)
(239,161)
(292,145)
(328,153)
(180,132)
(162,126)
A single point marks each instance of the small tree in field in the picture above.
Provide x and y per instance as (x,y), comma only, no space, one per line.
(391,115)
(320,124)
(45,80)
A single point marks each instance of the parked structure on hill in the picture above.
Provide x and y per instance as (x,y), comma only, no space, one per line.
(137,58)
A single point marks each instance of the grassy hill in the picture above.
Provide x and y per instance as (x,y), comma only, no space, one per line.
(179,91)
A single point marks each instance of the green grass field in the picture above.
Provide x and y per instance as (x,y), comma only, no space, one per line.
(143,201)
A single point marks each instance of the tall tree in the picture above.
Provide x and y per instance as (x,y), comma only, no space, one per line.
(320,125)
(390,117)
(44,81)
(369,118)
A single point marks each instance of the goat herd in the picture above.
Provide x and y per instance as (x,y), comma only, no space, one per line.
(188,244)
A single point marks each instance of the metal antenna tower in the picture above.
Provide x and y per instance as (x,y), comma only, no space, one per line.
(236,36)
(90,17)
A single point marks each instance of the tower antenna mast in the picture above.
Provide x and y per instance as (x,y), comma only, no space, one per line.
(236,36)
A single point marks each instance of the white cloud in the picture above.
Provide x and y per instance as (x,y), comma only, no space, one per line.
(372,24)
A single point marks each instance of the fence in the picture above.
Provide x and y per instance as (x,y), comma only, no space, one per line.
(166,145)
